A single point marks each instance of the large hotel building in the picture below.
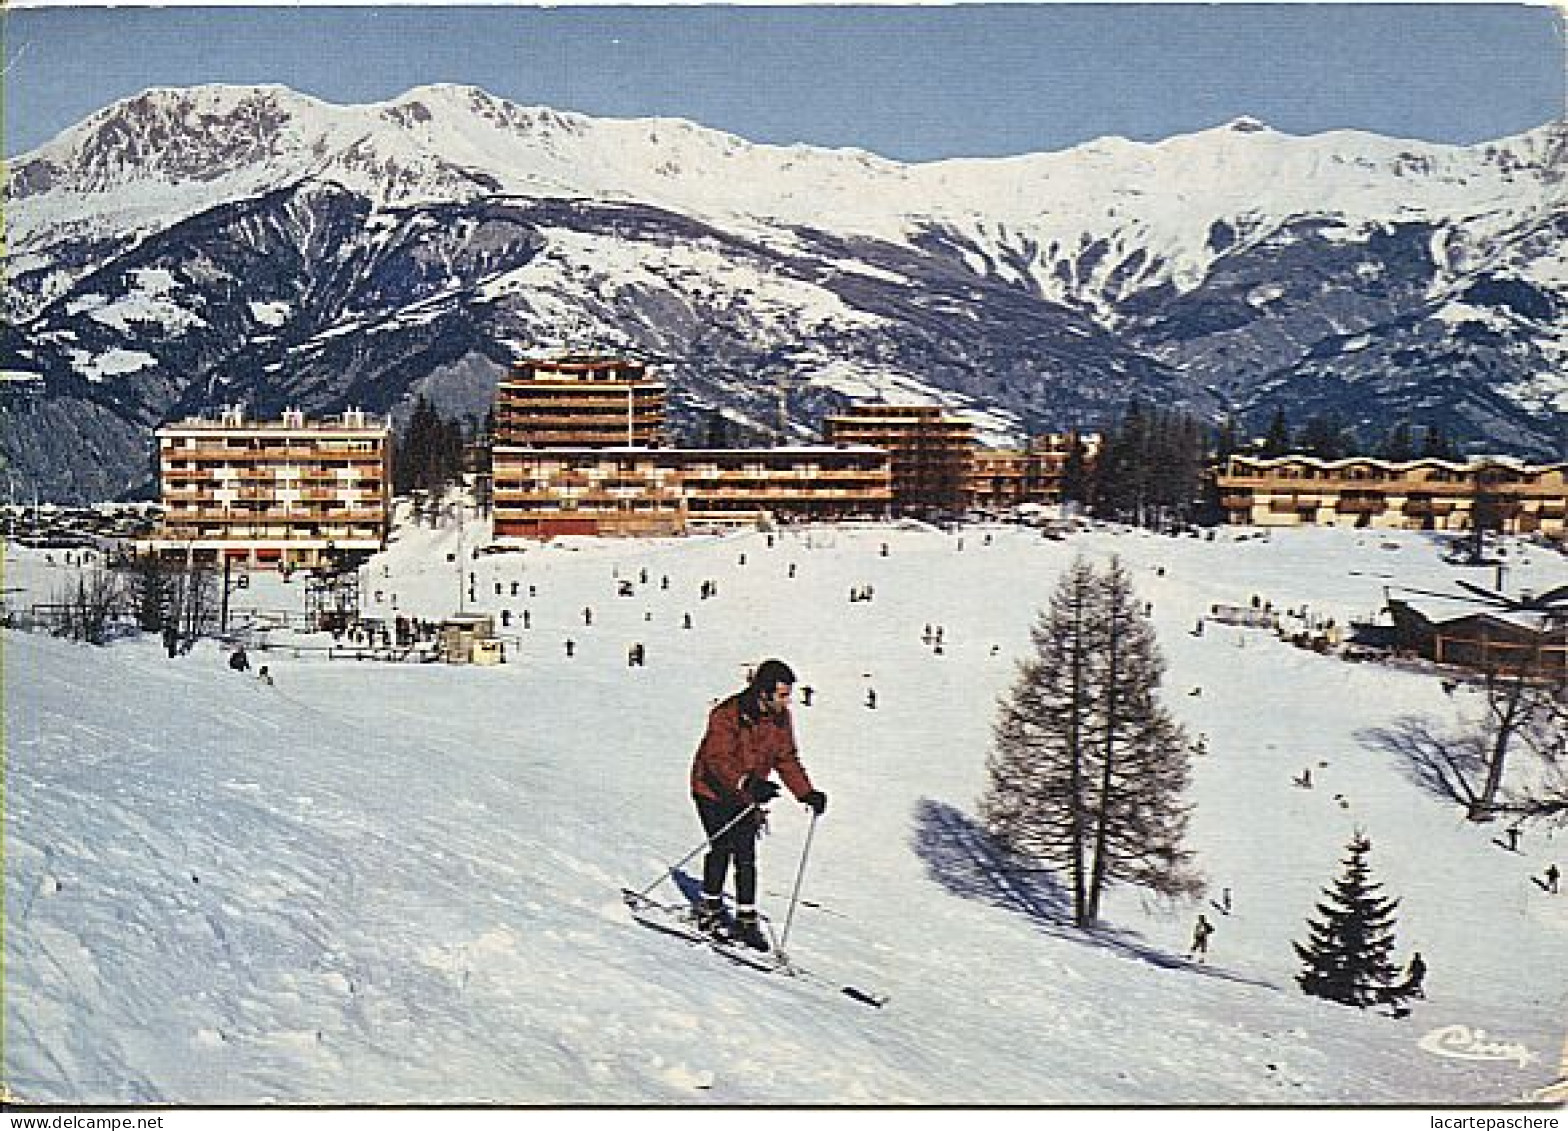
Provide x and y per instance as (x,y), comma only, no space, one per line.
(578,450)
(273,492)
(580,401)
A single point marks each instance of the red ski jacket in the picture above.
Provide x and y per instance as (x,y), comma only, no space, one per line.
(735,748)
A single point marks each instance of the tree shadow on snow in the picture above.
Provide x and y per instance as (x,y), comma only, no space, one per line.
(962,857)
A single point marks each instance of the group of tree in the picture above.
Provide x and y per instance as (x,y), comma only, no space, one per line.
(429,454)
(1087,775)
(1148,470)
(1329,437)
(175,599)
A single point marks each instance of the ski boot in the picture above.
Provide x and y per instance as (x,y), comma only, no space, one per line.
(709,918)
(748,931)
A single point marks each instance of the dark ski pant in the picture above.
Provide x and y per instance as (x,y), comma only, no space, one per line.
(738,844)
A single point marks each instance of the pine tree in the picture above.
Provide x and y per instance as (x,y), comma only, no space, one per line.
(1326,438)
(1436,444)
(1276,442)
(1227,441)
(1348,946)
(1399,445)
(1087,770)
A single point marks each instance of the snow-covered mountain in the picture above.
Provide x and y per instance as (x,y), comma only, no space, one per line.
(185,247)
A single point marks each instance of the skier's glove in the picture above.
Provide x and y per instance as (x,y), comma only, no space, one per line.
(760,790)
(816,801)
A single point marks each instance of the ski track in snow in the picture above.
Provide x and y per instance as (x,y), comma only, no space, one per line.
(396,884)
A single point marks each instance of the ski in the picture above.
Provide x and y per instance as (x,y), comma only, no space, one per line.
(677,923)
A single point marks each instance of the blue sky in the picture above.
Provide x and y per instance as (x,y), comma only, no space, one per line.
(912,83)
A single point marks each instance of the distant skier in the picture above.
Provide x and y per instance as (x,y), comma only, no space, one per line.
(1201,931)
(1415,975)
(239,661)
(1552,876)
(749,736)
(264,675)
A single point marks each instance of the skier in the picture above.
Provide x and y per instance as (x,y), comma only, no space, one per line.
(238,661)
(264,675)
(1200,939)
(1552,876)
(1415,974)
(749,736)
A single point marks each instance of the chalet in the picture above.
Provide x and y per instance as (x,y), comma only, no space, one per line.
(1460,632)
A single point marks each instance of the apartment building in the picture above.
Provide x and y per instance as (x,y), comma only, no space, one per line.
(1424,494)
(580,401)
(1003,478)
(540,493)
(932,454)
(280,492)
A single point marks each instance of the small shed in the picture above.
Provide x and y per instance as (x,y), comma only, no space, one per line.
(465,638)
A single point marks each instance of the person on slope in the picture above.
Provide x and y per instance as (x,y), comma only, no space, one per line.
(749,737)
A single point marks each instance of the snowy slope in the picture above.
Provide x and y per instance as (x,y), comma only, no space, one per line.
(393,884)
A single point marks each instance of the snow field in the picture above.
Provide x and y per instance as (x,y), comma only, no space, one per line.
(379,883)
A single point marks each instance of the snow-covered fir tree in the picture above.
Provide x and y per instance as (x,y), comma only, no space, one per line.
(1088,770)
(1348,945)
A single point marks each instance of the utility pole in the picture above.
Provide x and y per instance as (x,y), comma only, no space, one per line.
(223,615)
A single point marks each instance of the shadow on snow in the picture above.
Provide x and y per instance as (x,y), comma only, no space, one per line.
(963,858)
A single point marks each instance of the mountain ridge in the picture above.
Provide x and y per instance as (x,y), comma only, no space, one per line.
(1232,270)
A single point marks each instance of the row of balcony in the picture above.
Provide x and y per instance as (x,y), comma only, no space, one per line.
(509,498)
(1543,483)
(1288,504)
(206,532)
(311,452)
(176,495)
(727,485)
(631,473)
(278,514)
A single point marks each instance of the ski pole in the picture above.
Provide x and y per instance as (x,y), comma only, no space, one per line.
(673,868)
(800,874)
